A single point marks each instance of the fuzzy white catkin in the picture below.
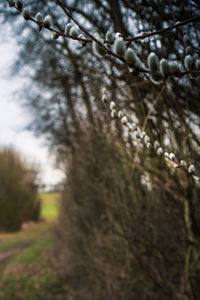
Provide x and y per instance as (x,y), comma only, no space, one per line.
(109,36)
(132,135)
(135,143)
(81,36)
(119,47)
(197,64)
(146,139)
(67,28)
(174,67)
(104,90)
(47,21)
(188,62)
(196,178)
(166,154)
(112,105)
(156,144)
(160,151)
(134,126)
(183,163)
(120,114)
(104,98)
(124,120)
(186,39)
(172,156)
(129,55)
(175,165)
(164,66)
(148,145)
(39,17)
(117,35)
(188,50)
(26,13)
(153,62)
(154,66)
(113,113)
(132,58)
(138,134)
(191,169)
(73,32)
(129,125)
(97,49)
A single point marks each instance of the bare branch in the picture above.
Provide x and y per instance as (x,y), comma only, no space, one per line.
(160,31)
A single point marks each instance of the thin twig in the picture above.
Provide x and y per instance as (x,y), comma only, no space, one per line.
(108,51)
(92,38)
(139,37)
(152,107)
(160,31)
(144,125)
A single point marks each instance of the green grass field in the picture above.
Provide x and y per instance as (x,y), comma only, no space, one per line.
(27,270)
(50,205)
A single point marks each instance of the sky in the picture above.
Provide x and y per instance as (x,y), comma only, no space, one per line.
(14,118)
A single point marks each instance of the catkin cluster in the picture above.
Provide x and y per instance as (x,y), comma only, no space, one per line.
(115,44)
(139,138)
(158,69)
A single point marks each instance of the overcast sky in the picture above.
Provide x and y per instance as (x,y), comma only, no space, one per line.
(14,118)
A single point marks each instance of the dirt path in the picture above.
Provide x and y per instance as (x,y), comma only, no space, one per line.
(9,252)
(27,239)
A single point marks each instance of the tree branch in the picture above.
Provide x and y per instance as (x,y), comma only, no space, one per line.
(160,31)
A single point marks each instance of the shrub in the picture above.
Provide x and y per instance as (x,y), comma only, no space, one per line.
(19,200)
(121,237)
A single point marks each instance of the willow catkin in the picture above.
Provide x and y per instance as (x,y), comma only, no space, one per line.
(119,47)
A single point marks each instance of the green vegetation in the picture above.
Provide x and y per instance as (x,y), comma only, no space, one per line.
(27,270)
(19,199)
(50,205)
(115,234)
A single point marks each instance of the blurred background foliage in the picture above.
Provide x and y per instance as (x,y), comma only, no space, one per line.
(19,201)
(126,231)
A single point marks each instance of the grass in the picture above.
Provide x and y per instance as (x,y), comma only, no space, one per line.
(50,205)
(26,262)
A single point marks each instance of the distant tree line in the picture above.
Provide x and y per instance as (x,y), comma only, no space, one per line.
(19,201)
